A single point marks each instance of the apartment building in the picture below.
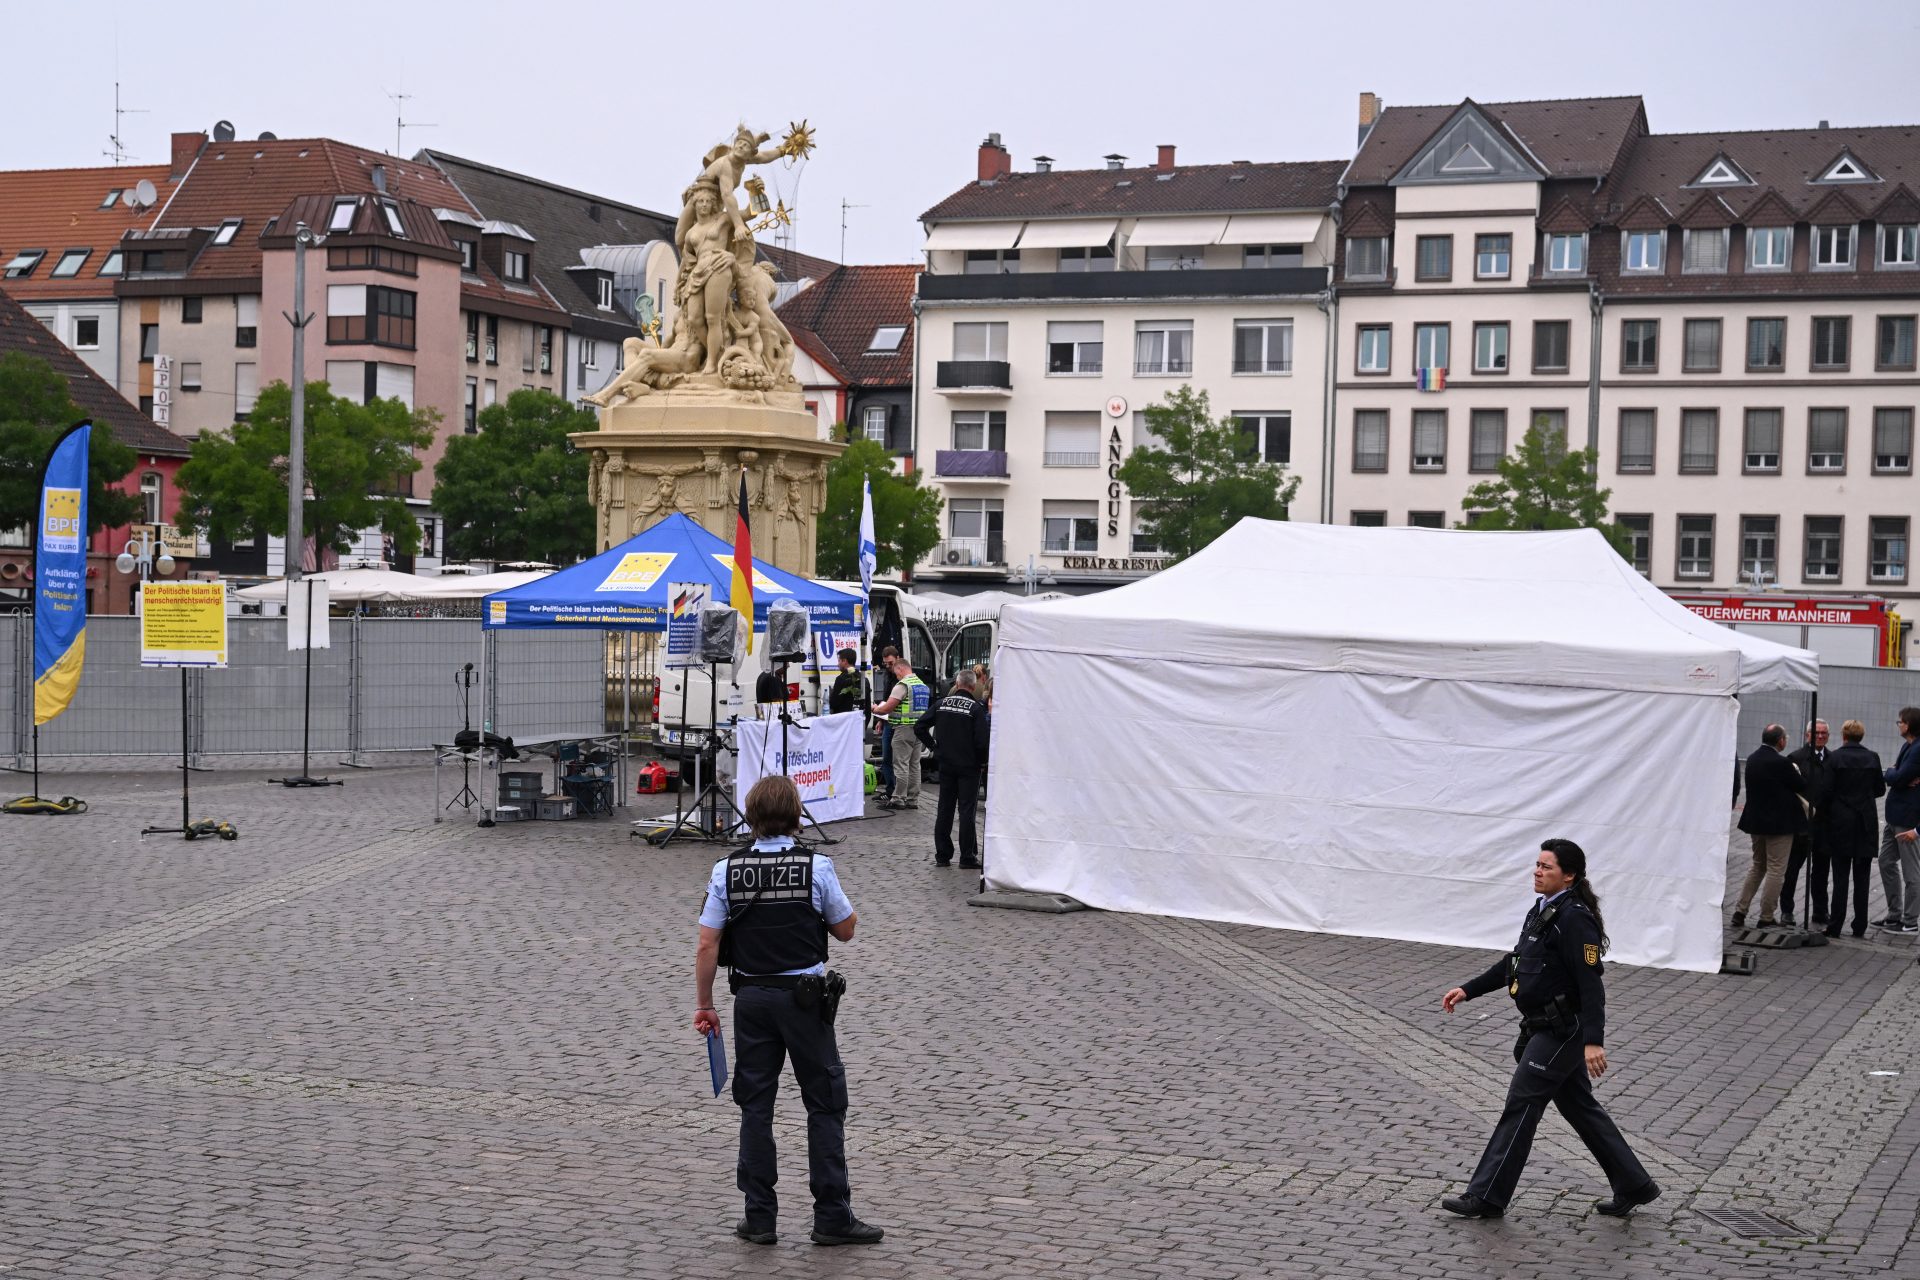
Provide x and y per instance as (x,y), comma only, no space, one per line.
(1057,305)
(1727,318)
(853,334)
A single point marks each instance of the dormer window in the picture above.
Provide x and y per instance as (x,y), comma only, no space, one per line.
(1722,173)
(1769,248)
(1847,169)
(606,293)
(1833,247)
(342,217)
(227,231)
(516,266)
(1645,251)
(1567,254)
(1899,244)
(466,254)
(887,337)
(394,226)
(1367,258)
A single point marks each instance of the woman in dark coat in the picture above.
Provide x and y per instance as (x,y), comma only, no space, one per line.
(1853,818)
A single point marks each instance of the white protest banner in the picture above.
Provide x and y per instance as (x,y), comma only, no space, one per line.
(308,616)
(822,758)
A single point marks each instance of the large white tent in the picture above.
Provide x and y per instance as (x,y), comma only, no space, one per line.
(1369,731)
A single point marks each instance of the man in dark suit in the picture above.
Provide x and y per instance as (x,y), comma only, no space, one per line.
(1811,845)
(1772,818)
(1853,823)
(1900,841)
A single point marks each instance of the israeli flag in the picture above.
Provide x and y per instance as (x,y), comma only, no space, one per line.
(869,552)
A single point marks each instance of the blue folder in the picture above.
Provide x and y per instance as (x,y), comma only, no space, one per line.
(717,1059)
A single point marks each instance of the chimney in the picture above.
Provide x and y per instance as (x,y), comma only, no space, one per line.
(1369,113)
(1165,163)
(1823,124)
(1115,160)
(186,148)
(1043,164)
(995,163)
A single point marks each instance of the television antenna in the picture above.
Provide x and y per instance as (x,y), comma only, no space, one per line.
(844,206)
(401,124)
(116,148)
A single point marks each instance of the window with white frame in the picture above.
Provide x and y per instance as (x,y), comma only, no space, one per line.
(1074,346)
(341,218)
(228,229)
(1893,440)
(1069,526)
(1900,244)
(1704,252)
(150,497)
(1821,560)
(189,379)
(1370,441)
(1887,549)
(1637,440)
(887,337)
(1760,445)
(1769,248)
(1644,250)
(470,408)
(975,429)
(1263,346)
(1695,547)
(1833,247)
(873,423)
(1072,439)
(589,353)
(1175,257)
(1567,254)
(992,262)
(1699,441)
(1760,548)
(1431,345)
(1085,258)
(1490,347)
(516,266)
(980,340)
(1486,440)
(975,530)
(1266,436)
(395,227)
(86,333)
(1266,257)
(1826,441)
(604,290)
(1639,531)
(1894,343)
(1700,346)
(1373,349)
(1492,257)
(1367,258)
(1163,346)
(1430,440)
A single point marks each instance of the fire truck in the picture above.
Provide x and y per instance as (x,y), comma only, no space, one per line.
(1848,631)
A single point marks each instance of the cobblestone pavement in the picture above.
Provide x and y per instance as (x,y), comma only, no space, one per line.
(356,1044)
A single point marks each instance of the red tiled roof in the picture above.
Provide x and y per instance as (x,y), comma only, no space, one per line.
(59,209)
(1204,188)
(1786,160)
(257,180)
(834,321)
(95,396)
(1570,137)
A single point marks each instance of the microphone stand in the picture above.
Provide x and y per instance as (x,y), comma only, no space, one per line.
(466,679)
(786,718)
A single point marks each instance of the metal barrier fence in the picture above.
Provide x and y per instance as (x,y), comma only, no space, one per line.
(387,684)
(1871,695)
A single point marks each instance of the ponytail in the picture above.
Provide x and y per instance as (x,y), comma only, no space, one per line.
(1573,861)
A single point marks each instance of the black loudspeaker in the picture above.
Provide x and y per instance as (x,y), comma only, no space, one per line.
(786,634)
(718,640)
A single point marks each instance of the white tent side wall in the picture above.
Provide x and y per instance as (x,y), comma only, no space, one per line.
(1356,802)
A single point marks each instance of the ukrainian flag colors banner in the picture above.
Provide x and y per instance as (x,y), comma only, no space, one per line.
(60,575)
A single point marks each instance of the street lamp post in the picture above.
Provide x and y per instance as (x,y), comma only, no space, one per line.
(139,555)
(303,239)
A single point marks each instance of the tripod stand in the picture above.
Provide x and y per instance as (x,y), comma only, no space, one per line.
(465,679)
(712,795)
(306,779)
(786,719)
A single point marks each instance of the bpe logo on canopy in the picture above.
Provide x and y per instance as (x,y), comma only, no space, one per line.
(62,528)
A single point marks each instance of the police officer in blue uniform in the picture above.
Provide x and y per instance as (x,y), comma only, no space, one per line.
(769,910)
(1553,974)
(957,731)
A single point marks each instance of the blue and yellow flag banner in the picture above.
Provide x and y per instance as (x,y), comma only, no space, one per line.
(60,575)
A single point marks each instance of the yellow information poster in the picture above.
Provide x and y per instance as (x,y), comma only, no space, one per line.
(183,624)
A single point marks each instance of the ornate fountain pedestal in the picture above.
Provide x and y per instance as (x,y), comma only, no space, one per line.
(682,450)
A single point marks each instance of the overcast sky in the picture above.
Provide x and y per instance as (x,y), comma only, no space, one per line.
(622,99)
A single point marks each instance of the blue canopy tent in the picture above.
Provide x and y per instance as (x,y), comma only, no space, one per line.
(625,588)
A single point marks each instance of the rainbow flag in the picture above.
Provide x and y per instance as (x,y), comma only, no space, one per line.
(1430,379)
(740,593)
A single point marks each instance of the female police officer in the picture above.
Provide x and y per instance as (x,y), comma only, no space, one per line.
(1553,975)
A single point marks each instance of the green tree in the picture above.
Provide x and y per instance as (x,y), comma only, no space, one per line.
(518,489)
(1543,485)
(35,408)
(906,517)
(1200,477)
(359,460)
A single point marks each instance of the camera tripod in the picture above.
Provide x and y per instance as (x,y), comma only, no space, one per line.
(712,795)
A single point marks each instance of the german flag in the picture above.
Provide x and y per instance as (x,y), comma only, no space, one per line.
(740,594)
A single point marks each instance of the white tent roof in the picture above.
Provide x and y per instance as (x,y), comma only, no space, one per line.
(1554,608)
(473,586)
(354,586)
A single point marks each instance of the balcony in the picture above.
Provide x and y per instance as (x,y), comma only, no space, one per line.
(1232,282)
(1174,366)
(973,375)
(971,464)
(970,553)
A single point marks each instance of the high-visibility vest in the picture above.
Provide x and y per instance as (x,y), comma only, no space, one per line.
(914,705)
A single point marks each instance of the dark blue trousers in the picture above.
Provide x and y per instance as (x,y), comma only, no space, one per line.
(768,1028)
(1552,1069)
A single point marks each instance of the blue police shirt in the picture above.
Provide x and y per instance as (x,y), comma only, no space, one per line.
(828,897)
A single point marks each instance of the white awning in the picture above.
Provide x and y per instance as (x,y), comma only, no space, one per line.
(1273,228)
(1075,233)
(1166,231)
(973,235)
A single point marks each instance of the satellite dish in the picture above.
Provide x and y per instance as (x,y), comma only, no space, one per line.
(269,137)
(223,131)
(143,190)
(130,198)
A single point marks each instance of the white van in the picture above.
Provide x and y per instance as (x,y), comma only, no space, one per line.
(968,627)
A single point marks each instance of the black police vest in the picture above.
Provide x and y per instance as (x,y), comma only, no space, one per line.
(771,924)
